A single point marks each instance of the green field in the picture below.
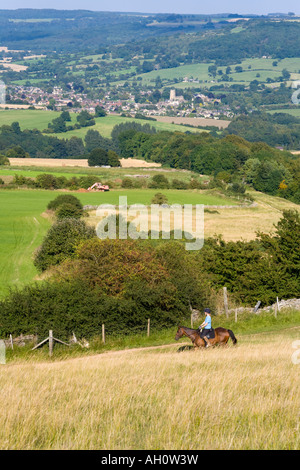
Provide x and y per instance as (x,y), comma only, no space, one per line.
(105,125)
(251,67)
(39,119)
(22,229)
(294,112)
(27,118)
(197,71)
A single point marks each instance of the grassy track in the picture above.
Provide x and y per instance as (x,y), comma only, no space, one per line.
(244,397)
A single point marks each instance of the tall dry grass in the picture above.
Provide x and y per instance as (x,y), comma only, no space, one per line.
(244,397)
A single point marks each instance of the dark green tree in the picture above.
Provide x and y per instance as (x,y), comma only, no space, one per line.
(98,157)
(64,199)
(68,211)
(99,111)
(61,241)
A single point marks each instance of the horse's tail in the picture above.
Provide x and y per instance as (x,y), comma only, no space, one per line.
(234,340)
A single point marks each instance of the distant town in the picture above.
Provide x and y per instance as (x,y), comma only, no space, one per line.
(21,96)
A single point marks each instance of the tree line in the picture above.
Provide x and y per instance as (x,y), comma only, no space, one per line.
(17,143)
(276,130)
(229,158)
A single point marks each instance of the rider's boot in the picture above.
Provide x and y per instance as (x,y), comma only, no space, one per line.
(208,345)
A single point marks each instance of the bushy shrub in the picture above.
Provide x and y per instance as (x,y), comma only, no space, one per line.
(46,181)
(21,180)
(237,188)
(159,182)
(127,183)
(159,198)
(117,282)
(66,210)
(17,152)
(64,199)
(179,184)
(113,159)
(4,160)
(73,307)
(195,184)
(61,241)
(98,157)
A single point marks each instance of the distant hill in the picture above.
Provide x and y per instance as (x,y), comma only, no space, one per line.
(83,30)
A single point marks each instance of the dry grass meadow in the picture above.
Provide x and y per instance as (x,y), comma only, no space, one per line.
(221,124)
(243,397)
(82,163)
(233,223)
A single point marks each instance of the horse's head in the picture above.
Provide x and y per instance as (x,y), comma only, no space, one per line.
(179,333)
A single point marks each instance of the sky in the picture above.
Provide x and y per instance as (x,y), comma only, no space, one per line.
(165,6)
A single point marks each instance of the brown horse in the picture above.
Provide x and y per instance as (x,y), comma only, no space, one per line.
(221,336)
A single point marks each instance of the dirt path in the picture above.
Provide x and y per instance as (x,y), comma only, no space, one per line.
(106,354)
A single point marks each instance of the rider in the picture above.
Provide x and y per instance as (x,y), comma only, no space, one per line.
(206,326)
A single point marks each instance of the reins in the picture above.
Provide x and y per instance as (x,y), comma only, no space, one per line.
(189,336)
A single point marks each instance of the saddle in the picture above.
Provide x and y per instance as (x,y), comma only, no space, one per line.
(211,334)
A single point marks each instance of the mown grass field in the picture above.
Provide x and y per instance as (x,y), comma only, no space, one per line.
(239,398)
(27,118)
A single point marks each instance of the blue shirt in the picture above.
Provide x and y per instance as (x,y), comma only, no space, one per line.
(208,321)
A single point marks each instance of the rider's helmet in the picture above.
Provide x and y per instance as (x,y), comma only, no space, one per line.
(207,310)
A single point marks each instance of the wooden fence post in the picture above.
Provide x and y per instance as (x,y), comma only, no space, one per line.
(225,301)
(2,352)
(51,340)
(191,309)
(277,300)
(50,343)
(103,333)
(236,315)
(255,310)
(11,342)
(148,327)
(275,310)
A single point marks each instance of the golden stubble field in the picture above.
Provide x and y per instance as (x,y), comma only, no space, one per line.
(80,163)
(244,397)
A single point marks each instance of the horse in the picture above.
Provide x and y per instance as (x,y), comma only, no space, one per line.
(221,336)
